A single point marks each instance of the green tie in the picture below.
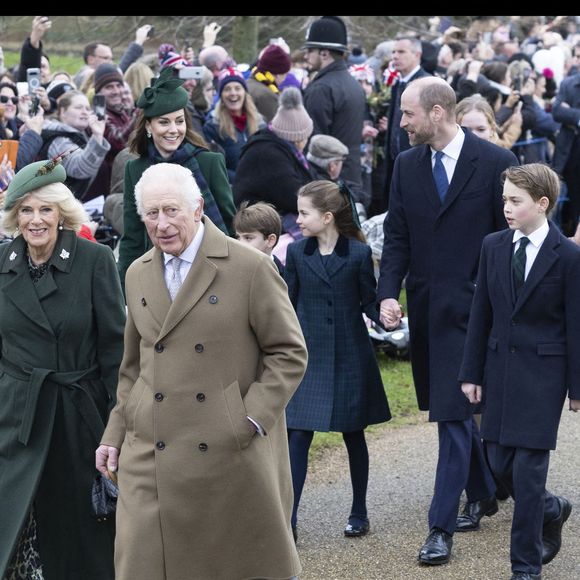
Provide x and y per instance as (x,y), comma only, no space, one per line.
(519,265)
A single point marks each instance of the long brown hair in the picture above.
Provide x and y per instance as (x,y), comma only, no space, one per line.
(226,123)
(138,141)
(326,196)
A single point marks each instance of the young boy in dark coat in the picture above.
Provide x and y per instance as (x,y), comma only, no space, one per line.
(521,357)
(259,225)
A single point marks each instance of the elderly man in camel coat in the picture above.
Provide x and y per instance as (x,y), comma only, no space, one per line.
(199,428)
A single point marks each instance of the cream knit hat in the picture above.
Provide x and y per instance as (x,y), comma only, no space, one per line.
(292,122)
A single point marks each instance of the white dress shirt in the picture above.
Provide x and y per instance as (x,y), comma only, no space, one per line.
(187,257)
(450,153)
(536,238)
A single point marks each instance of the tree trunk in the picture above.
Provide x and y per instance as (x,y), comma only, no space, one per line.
(245,41)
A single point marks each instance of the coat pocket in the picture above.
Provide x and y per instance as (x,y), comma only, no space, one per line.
(553,348)
(238,416)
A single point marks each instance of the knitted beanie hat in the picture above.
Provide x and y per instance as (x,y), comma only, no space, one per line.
(274,60)
(107,73)
(168,56)
(291,121)
(231,75)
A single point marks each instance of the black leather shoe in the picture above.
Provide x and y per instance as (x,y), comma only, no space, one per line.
(472,513)
(295,534)
(525,576)
(356,530)
(552,532)
(437,548)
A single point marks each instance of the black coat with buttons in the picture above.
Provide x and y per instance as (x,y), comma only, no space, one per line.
(525,352)
(342,389)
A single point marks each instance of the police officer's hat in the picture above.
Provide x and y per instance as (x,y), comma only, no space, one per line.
(327,32)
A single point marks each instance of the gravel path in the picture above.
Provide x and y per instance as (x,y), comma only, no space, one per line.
(401,479)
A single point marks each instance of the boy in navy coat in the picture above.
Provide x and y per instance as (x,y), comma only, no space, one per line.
(521,357)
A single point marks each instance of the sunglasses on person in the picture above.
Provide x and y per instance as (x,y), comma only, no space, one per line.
(5,99)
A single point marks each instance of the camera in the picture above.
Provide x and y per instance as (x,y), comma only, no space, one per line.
(191,72)
(151,32)
(99,106)
(33,79)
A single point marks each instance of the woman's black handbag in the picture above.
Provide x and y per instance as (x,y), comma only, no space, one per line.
(104,498)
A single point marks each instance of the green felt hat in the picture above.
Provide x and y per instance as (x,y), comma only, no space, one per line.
(32,177)
(164,96)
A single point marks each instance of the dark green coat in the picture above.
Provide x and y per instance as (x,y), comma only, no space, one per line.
(52,417)
(135,241)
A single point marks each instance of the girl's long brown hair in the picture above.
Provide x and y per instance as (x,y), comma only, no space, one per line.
(326,196)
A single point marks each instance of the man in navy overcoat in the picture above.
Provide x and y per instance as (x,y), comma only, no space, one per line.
(441,207)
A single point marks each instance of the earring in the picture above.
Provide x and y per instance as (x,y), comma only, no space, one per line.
(60,226)
(148,135)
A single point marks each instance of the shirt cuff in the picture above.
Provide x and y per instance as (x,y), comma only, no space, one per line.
(259,427)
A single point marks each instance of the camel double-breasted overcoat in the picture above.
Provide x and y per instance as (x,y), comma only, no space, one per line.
(202,495)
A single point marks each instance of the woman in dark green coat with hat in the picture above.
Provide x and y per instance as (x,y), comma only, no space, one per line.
(164,134)
(61,343)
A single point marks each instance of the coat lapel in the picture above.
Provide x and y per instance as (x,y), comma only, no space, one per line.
(503,262)
(338,258)
(202,273)
(466,165)
(20,288)
(425,171)
(545,259)
(154,291)
(314,261)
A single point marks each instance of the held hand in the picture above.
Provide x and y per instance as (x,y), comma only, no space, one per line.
(369,131)
(383,124)
(472,392)
(97,127)
(106,460)
(35,123)
(42,95)
(141,34)
(575,405)
(210,32)
(40,24)
(390,313)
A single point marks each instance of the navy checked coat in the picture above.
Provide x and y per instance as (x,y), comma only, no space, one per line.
(342,389)
(438,245)
(525,353)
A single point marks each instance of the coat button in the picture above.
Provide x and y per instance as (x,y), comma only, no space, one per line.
(329,320)
(160,445)
(143,302)
(514,323)
(202,446)
(159,347)
(199,348)
(200,397)
(513,349)
(329,302)
(159,397)
(213,299)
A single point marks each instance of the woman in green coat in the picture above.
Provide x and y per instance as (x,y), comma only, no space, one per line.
(61,342)
(164,134)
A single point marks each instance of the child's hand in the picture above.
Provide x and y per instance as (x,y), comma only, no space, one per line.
(575,405)
(472,392)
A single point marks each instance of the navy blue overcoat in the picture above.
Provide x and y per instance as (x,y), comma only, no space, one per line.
(342,389)
(438,245)
(525,353)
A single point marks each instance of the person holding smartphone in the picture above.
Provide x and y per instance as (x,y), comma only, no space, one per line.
(69,134)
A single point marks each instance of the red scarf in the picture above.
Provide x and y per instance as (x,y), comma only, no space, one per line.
(240,121)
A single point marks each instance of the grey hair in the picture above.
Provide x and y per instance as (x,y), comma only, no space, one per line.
(162,173)
(71,211)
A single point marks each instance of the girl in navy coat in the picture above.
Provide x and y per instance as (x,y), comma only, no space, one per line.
(521,357)
(331,282)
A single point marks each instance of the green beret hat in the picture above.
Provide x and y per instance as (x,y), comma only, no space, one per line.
(164,96)
(32,177)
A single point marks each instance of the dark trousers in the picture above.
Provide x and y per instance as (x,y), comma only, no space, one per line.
(524,472)
(461,466)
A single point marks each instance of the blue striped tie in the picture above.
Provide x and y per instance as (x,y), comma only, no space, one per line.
(519,265)
(440,176)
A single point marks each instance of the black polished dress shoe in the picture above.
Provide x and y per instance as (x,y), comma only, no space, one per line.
(356,530)
(552,532)
(437,548)
(525,576)
(472,513)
